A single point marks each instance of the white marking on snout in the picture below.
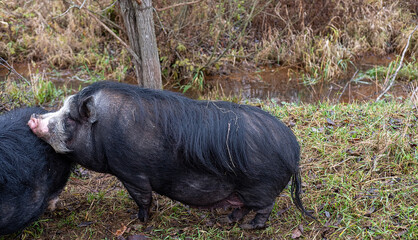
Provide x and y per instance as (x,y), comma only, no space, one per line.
(60,113)
(55,138)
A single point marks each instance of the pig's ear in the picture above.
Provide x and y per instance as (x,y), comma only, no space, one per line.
(88,110)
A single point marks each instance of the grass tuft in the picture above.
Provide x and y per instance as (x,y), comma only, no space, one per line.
(360,178)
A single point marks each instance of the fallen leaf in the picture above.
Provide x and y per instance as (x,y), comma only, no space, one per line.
(120,231)
(330,122)
(300,228)
(296,233)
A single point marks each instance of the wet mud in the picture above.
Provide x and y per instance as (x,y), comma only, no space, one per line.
(281,84)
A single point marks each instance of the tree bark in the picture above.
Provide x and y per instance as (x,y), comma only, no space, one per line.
(138,20)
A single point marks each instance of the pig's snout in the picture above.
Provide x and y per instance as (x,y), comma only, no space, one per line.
(39,128)
(33,122)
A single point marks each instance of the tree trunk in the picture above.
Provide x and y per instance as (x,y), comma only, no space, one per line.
(139,25)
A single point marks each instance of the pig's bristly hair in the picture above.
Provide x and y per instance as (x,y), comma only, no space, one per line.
(16,140)
(31,173)
(220,137)
(223,138)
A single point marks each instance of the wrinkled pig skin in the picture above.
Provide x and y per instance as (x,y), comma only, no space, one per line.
(201,153)
(32,174)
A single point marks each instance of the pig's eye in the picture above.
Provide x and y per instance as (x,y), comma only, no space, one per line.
(70,123)
(71,118)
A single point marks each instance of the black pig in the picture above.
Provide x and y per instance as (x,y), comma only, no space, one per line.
(31,173)
(201,153)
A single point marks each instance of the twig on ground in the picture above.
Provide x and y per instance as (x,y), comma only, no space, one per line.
(399,67)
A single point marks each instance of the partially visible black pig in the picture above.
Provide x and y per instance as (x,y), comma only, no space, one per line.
(31,173)
(201,153)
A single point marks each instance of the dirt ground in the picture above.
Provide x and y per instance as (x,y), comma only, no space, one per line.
(97,206)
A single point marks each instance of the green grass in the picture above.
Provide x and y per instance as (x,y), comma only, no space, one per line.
(408,72)
(37,90)
(360,178)
(360,166)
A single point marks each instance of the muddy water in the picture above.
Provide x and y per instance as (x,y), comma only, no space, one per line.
(281,84)
(278,83)
(69,78)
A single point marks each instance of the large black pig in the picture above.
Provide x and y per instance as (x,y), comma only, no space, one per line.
(201,153)
(32,174)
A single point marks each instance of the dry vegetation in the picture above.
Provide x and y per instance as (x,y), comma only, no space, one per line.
(36,31)
(319,39)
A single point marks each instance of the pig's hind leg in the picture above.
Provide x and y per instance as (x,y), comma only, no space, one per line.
(259,221)
(259,199)
(238,214)
(142,195)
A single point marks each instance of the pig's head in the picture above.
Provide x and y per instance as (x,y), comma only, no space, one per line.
(64,128)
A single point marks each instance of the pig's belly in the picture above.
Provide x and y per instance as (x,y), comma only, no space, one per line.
(203,191)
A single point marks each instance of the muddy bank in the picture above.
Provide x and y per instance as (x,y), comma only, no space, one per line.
(282,84)
(275,84)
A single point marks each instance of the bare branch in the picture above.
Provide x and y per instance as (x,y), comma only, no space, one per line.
(116,36)
(5,64)
(111,5)
(399,67)
(80,7)
(177,5)
(71,7)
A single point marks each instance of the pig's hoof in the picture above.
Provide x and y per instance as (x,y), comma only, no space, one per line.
(142,215)
(251,226)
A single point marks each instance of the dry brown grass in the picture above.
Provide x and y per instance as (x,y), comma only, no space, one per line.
(38,31)
(320,38)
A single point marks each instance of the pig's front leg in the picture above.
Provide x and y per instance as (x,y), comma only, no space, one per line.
(142,195)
